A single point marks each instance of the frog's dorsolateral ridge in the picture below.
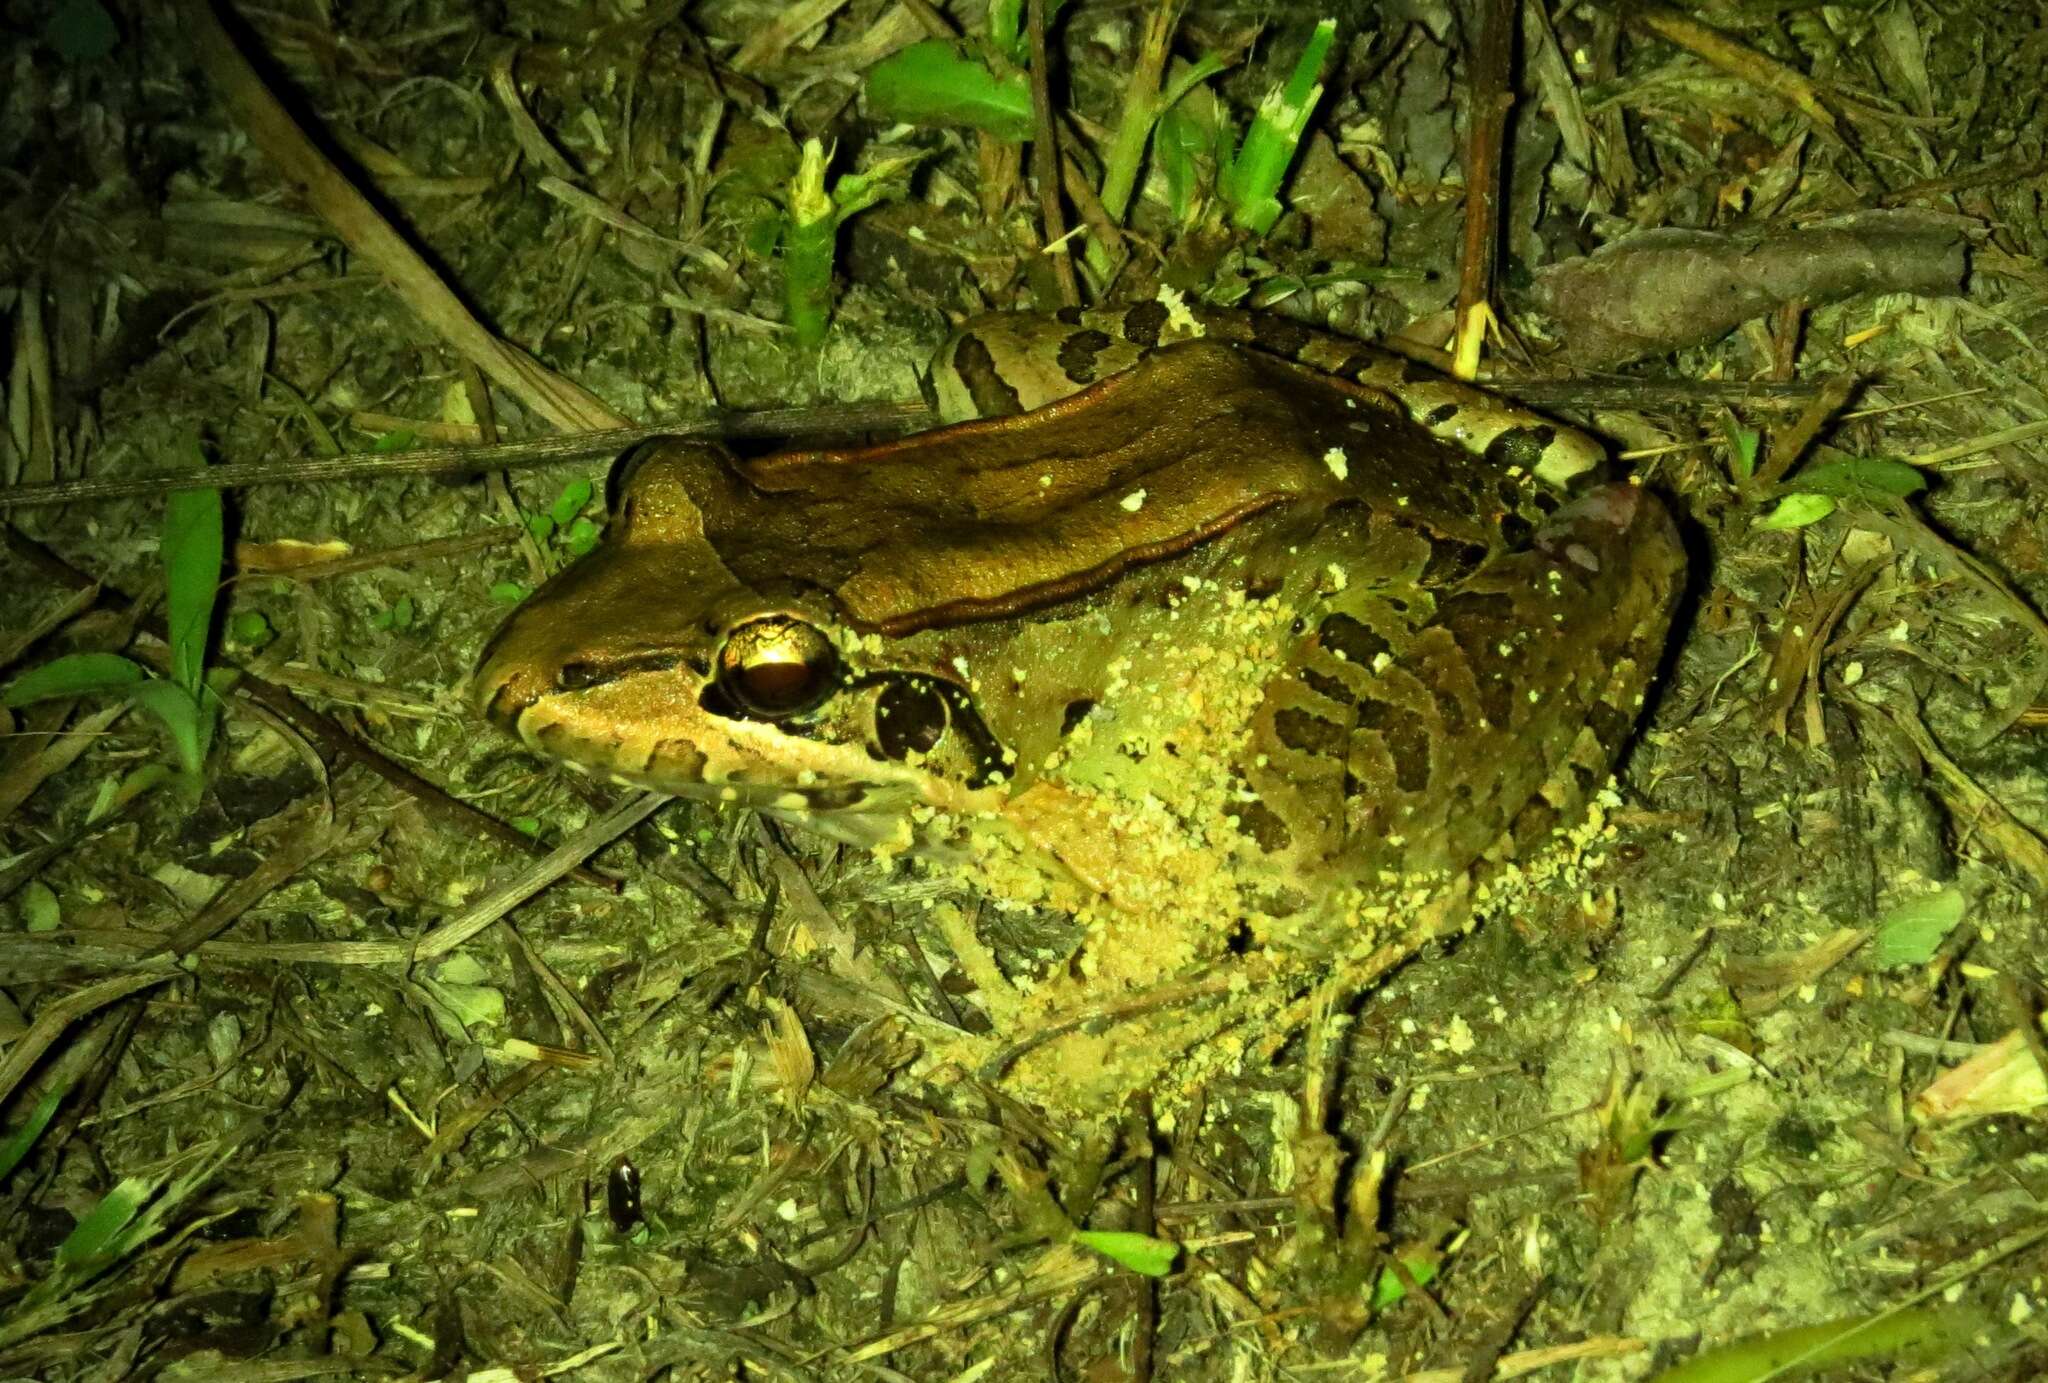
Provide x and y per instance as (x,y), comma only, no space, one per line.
(1220,653)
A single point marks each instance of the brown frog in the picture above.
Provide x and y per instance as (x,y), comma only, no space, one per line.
(1250,666)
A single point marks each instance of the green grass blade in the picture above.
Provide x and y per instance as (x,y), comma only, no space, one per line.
(74,674)
(183,718)
(15,1146)
(1923,1331)
(192,558)
(97,1238)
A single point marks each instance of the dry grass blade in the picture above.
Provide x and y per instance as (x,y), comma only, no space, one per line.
(561,401)
(28,773)
(309,832)
(1059,1271)
(53,1018)
(769,43)
(565,857)
(1977,811)
(1711,45)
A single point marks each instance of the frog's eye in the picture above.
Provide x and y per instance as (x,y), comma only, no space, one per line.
(776,667)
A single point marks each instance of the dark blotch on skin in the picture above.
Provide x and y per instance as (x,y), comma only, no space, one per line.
(1408,745)
(1415,372)
(1308,733)
(1145,324)
(1450,709)
(1078,353)
(993,397)
(1535,820)
(581,675)
(1450,562)
(1259,823)
(1439,415)
(1071,316)
(1610,724)
(1279,335)
(1077,711)
(1521,446)
(1326,686)
(1358,365)
(1344,635)
(1478,622)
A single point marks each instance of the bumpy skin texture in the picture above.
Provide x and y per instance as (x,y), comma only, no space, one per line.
(1218,651)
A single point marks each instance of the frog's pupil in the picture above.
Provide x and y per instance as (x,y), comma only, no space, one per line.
(777,686)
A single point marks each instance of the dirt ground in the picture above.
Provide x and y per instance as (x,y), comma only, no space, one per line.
(1762,1072)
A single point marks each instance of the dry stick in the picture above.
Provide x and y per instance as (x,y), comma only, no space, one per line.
(561,401)
(1145,1336)
(1045,158)
(1491,100)
(322,730)
(472,460)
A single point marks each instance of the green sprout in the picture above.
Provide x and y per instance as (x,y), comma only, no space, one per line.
(811,230)
(1251,181)
(184,700)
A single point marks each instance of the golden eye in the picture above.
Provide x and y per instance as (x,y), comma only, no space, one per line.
(777,667)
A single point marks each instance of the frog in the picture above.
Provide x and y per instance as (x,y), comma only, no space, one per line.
(1262,655)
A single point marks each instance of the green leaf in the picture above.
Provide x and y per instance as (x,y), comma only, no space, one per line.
(937,83)
(1873,479)
(192,557)
(570,502)
(581,537)
(402,614)
(74,674)
(16,1145)
(182,716)
(540,526)
(402,440)
(1141,1253)
(1913,931)
(1797,511)
(40,910)
(1392,1289)
(508,592)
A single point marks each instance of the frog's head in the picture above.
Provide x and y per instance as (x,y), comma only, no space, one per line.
(651,662)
